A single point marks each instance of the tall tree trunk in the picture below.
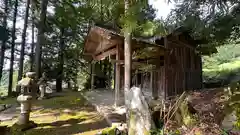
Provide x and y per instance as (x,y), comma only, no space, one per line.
(40,37)
(61,62)
(20,72)
(127,53)
(127,60)
(33,44)
(3,48)
(12,48)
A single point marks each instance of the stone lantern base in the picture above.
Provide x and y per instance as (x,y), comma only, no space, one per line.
(17,128)
(23,122)
(41,98)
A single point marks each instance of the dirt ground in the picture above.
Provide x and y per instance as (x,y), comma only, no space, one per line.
(209,105)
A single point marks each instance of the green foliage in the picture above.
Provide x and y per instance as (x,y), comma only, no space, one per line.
(184,116)
(4,82)
(214,21)
(233,103)
(223,66)
(151,28)
(76,17)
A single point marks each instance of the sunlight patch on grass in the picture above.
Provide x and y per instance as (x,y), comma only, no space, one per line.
(92,132)
(69,100)
(44,111)
(226,66)
(107,131)
(44,119)
(231,65)
(78,115)
(45,127)
(8,123)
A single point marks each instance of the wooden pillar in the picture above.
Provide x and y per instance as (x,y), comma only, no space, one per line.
(183,68)
(142,80)
(151,82)
(166,57)
(200,70)
(117,78)
(109,69)
(92,75)
(137,80)
(114,75)
(127,53)
(153,85)
(176,71)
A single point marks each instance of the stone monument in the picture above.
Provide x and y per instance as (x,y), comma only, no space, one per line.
(42,86)
(138,114)
(27,85)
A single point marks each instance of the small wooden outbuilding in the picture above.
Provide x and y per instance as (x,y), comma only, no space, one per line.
(167,65)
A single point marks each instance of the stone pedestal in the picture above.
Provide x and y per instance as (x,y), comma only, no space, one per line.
(42,89)
(25,102)
(23,122)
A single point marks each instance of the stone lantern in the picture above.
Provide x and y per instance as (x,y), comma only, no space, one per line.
(25,99)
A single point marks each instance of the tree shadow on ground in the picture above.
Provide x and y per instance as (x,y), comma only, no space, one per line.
(68,115)
(73,102)
(68,127)
(71,126)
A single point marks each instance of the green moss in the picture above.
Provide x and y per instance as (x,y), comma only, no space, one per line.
(132,128)
(160,132)
(19,129)
(109,131)
(70,100)
(53,120)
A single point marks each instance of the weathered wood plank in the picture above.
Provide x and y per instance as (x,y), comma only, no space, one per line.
(179,43)
(92,75)
(166,58)
(105,54)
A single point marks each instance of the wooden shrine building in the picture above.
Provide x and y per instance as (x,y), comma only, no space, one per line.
(170,64)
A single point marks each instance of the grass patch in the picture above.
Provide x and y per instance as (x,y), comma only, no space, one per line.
(67,115)
(9,101)
(227,72)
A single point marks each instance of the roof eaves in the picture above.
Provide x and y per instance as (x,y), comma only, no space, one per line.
(134,38)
